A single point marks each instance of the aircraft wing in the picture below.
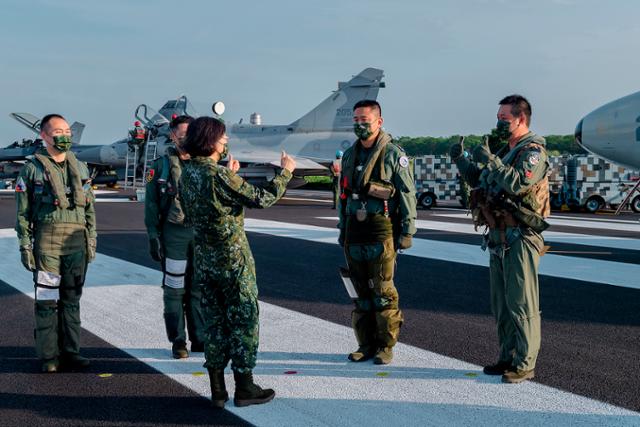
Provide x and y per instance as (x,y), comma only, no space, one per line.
(268,157)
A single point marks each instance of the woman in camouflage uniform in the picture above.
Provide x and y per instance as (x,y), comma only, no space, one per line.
(213,200)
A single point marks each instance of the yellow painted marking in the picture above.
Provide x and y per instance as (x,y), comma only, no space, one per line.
(105,375)
(382,374)
(198,374)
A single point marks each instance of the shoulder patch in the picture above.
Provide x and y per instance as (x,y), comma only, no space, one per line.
(150,174)
(534,158)
(404,161)
(21,187)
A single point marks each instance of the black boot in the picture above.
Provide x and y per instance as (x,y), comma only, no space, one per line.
(219,393)
(249,393)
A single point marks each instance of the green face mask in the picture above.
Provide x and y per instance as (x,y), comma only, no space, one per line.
(362,130)
(502,129)
(62,143)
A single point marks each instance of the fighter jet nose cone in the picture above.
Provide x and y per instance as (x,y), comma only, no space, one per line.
(578,133)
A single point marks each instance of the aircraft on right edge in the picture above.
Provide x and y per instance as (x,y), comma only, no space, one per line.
(612,131)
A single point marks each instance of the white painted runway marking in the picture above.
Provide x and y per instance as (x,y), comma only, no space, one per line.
(550,236)
(572,222)
(420,387)
(566,267)
(306,200)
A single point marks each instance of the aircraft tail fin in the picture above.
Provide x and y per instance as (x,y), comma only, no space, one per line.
(336,112)
(76,132)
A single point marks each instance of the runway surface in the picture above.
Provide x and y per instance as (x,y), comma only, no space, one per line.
(587,372)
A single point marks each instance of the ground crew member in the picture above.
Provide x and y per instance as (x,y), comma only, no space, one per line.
(377,217)
(336,167)
(213,199)
(56,227)
(171,243)
(511,198)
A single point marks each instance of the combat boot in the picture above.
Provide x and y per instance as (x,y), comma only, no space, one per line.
(73,361)
(249,393)
(364,352)
(498,369)
(179,350)
(50,366)
(515,376)
(384,356)
(219,393)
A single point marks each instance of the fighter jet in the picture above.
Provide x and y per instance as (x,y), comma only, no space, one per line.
(313,139)
(612,131)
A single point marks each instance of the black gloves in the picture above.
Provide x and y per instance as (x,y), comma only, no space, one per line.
(155,249)
(482,153)
(457,149)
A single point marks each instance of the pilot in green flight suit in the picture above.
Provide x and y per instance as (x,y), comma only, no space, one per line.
(56,227)
(511,198)
(171,243)
(377,217)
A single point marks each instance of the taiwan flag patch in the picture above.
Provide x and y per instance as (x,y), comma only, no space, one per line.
(21,187)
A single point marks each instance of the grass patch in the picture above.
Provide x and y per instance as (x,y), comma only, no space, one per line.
(318,182)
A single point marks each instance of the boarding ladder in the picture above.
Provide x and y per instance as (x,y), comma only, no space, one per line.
(131,166)
(629,197)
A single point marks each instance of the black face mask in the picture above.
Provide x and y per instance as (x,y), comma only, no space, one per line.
(502,129)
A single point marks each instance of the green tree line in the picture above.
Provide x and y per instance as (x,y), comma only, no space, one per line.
(557,145)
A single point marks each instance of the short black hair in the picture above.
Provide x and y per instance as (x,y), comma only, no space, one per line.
(180,120)
(519,105)
(370,103)
(46,119)
(202,135)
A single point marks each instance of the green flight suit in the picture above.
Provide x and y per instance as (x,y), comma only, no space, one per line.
(57,224)
(514,271)
(370,245)
(213,199)
(164,219)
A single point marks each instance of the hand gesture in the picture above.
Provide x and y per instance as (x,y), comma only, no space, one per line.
(457,149)
(287,162)
(482,153)
(233,164)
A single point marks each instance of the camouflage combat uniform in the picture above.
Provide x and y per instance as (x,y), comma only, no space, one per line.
(213,199)
(369,245)
(518,177)
(56,217)
(164,219)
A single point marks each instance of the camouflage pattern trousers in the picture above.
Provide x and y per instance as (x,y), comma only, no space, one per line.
(227,278)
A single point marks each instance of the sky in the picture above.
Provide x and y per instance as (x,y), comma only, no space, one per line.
(446,63)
